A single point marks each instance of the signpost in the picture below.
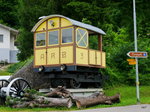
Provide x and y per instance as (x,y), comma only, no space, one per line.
(136,49)
(137,54)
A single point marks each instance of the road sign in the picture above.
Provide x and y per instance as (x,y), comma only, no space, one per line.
(131,61)
(137,54)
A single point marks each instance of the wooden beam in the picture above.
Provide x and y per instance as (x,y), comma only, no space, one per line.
(100,42)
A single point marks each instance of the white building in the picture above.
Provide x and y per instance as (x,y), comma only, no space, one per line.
(8,50)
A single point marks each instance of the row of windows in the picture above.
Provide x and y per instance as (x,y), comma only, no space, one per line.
(53,37)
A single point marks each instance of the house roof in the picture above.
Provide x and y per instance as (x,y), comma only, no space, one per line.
(74,22)
(8,28)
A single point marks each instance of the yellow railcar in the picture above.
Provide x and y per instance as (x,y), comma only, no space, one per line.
(62,53)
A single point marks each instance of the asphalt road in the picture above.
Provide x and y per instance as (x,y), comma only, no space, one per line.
(132,108)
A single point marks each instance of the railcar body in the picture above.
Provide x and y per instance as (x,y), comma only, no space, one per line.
(62,53)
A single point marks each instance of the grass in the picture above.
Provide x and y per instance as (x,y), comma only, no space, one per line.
(128,97)
(3,73)
(15,67)
(12,68)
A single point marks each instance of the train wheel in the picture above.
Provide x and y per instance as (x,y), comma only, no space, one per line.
(74,84)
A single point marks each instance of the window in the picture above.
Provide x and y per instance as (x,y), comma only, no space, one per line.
(40,39)
(1,38)
(53,37)
(67,35)
(82,37)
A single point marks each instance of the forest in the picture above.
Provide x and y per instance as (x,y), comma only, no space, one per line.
(115,17)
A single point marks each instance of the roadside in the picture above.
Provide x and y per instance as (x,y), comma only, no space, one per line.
(3,70)
(132,108)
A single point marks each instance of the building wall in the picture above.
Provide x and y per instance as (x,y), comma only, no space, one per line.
(8,52)
(6,38)
(13,56)
(12,41)
(5,54)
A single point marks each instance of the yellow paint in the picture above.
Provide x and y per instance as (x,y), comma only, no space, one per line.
(42,27)
(40,57)
(103,59)
(98,58)
(66,54)
(65,22)
(52,56)
(81,56)
(53,23)
(92,57)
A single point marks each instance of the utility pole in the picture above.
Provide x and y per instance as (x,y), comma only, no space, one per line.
(136,50)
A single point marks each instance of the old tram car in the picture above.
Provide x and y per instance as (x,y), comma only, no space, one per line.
(62,53)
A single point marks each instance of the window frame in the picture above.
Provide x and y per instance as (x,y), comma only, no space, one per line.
(72,36)
(58,37)
(86,31)
(2,38)
(36,39)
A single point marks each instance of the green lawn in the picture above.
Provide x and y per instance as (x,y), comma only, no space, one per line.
(128,97)
(3,73)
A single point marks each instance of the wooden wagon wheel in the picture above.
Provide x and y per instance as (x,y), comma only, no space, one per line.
(3,83)
(74,84)
(17,87)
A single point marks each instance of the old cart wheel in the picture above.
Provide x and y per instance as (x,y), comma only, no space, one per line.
(3,83)
(74,84)
(17,87)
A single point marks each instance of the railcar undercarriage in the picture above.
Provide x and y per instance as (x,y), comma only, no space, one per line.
(83,77)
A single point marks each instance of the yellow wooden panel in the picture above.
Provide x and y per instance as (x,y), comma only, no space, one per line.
(40,57)
(42,27)
(103,59)
(98,58)
(65,22)
(92,57)
(52,56)
(66,54)
(81,56)
(53,23)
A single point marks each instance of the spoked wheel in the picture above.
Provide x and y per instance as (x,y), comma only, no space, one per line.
(74,84)
(3,83)
(17,87)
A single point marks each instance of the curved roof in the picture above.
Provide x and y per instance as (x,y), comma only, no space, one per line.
(74,22)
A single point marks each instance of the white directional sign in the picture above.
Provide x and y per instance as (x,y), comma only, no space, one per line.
(137,54)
